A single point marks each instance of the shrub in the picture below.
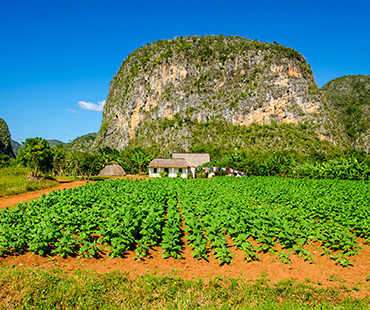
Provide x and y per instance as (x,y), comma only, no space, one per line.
(4,161)
(163,174)
(201,174)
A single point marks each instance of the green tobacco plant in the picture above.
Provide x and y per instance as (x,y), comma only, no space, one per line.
(259,214)
(171,242)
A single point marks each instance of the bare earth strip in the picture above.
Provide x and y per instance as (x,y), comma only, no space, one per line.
(323,273)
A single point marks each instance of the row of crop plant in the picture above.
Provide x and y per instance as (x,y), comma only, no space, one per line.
(116,216)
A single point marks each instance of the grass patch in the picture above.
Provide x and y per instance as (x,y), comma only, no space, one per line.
(14,181)
(99,178)
(71,178)
(90,178)
(39,288)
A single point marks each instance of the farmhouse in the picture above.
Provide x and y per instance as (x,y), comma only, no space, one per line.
(183,163)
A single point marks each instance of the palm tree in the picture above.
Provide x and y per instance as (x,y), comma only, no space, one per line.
(140,160)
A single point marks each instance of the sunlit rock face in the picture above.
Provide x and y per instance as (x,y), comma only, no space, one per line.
(212,78)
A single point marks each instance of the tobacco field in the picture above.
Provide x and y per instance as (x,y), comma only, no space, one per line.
(259,214)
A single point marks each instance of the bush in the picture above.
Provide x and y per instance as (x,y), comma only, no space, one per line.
(201,174)
(4,161)
(163,174)
(221,173)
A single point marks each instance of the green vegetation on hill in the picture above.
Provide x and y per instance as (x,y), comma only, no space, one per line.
(221,139)
(347,104)
(54,142)
(215,50)
(5,140)
(293,150)
(82,143)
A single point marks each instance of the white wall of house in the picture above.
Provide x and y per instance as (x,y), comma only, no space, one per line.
(154,172)
(192,171)
(172,172)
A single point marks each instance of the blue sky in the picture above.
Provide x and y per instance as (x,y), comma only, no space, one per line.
(57,58)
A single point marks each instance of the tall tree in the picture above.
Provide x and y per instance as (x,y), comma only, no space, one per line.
(141,160)
(37,155)
(59,159)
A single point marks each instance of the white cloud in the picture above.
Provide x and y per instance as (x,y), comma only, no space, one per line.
(72,111)
(92,106)
(76,113)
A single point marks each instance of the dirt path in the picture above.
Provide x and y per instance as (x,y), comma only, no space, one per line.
(64,184)
(323,273)
(14,200)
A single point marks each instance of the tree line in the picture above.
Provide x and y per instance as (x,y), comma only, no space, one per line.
(41,159)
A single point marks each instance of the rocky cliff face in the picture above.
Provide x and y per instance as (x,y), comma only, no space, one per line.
(5,141)
(212,78)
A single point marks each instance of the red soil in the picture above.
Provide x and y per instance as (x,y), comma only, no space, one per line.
(318,273)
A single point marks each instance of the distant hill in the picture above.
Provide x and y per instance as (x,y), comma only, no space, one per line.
(54,142)
(346,102)
(82,143)
(5,140)
(16,146)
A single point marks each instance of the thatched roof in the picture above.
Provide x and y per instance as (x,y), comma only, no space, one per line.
(169,162)
(181,160)
(112,170)
(193,159)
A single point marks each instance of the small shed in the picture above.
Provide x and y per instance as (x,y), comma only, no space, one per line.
(112,170)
